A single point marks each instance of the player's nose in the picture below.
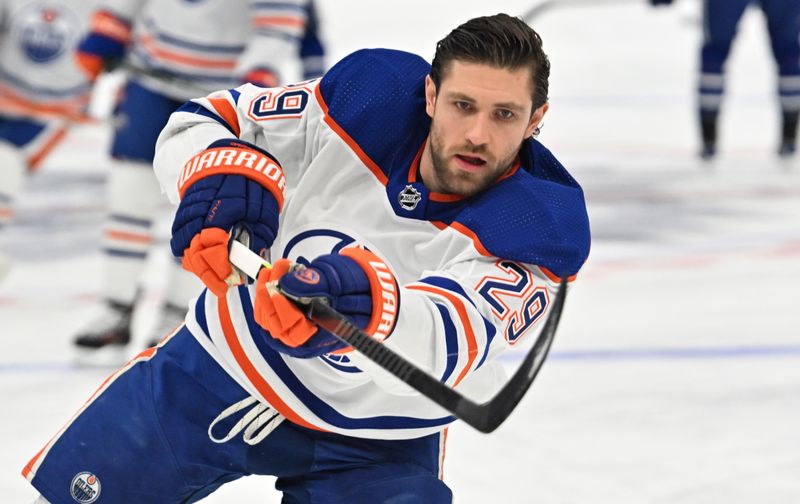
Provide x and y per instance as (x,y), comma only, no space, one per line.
(477,131)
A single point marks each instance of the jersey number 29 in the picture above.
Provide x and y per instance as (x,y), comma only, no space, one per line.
(514,298)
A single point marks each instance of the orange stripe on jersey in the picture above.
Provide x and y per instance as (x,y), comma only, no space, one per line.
(414,168)
(295,22)
(444,198)
(511,171)
(225,110)
(442,451)
(472,342)
(130,237)
(552,276)
(483,251)
(165,54)
(372,165)
(251,372)
(108,24)
(44,150)
(472,236)
(72,108)
(29,471)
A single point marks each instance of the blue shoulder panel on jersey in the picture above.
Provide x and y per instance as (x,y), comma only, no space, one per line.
(537,216)
(387,80)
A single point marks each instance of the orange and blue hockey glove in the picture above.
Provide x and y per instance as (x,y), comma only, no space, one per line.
(105,45)
(355,282)
(263,77)
(230,184)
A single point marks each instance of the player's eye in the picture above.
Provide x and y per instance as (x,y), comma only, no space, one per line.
(463,105)
(505,114)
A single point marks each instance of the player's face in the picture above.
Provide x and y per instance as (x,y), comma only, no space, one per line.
(480,116)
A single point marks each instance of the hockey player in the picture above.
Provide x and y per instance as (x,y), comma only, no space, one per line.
(720,18)
(312,50)
(415,200)
(174,49)
(42,91)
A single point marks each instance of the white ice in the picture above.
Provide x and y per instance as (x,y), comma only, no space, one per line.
(675,376)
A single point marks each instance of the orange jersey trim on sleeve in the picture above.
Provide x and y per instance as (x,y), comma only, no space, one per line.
(252,373)
(225,110)
(106,23)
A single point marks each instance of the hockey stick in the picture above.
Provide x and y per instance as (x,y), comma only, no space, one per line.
(537,10)
(484,417)
(164,76)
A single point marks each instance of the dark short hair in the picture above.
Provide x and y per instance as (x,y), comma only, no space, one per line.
(500,41)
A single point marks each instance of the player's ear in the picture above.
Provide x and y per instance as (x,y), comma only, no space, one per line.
(430,95)
(536,119)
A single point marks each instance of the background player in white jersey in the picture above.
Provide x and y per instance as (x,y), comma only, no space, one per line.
(415,200)
(173,49)
(42,91)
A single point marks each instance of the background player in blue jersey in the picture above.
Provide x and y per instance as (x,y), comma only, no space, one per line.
(720,18)
(418,203)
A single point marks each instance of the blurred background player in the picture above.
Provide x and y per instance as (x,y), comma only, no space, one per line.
(720,18)
(312,52)
(42,90)
(174,50)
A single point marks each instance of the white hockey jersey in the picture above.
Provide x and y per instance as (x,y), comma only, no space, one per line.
(476,275)
(188,48)
(38,73)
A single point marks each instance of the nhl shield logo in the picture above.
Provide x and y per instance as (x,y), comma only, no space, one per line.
(409,197)
(85,487)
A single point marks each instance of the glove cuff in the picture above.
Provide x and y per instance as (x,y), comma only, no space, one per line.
(263,77)
(90,64)
(232,156)
(384,291)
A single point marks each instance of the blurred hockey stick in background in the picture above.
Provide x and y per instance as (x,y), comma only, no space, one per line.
(164,76)
(540,8)
(114,78)
(484,417)
(546,5)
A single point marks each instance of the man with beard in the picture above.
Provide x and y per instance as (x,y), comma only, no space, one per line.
(414,199)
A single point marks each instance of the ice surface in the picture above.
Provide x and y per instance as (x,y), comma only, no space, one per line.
(675,376)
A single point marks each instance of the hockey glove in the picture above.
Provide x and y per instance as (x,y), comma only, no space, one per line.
(104,46)
(355,282)
(262,77)
(231,183)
